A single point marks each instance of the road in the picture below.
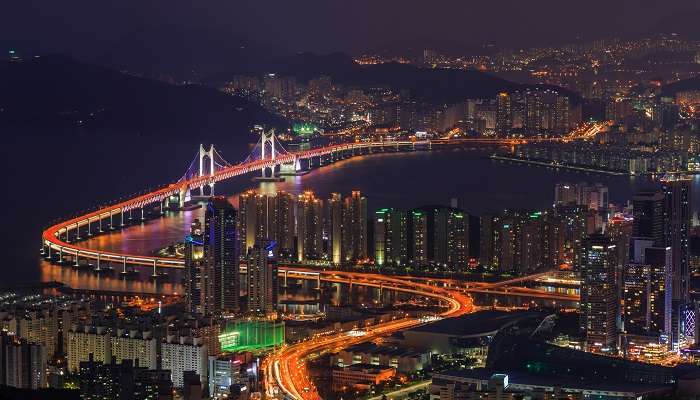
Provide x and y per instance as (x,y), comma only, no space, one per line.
(286,374)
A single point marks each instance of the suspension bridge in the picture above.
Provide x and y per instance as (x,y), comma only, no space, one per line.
(269,158)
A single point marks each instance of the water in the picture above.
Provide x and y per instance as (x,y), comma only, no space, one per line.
(403,180)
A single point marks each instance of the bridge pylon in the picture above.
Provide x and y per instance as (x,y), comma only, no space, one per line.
(268,139)
(209,155)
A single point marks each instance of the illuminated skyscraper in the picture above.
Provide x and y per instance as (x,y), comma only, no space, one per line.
(355,227)
(283,222)
(335,228)
(530,243)
(253,222)
(677,200)
(489,243)
(646,294)
(23,363)
(677,213)
(648,212)
(418,243)
(561,114)
(390,244)
(598,293)
(450,237)
(504,115)
(533,112)
(262,278)
(194,263)
(309,227)
(221,253)
(263,216)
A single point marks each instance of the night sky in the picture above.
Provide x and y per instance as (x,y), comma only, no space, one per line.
(91,29)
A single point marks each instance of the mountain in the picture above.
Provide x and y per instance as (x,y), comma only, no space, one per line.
(58,93)
(439,86)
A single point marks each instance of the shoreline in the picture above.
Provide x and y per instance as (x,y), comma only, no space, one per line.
(562,166)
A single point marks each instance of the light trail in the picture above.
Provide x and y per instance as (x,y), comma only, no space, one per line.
(292,377)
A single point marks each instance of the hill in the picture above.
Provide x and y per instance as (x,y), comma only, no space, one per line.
(57,93)
(439,86)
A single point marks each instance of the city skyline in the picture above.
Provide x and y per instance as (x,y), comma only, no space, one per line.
(375,200)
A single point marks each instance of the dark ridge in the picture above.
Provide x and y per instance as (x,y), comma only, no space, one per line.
(438,86)
(56,93)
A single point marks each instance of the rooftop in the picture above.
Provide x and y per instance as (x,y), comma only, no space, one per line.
(370,347)
(481,323)
(519,378)
(364,367)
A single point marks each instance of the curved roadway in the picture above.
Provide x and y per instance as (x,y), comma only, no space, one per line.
(286,375)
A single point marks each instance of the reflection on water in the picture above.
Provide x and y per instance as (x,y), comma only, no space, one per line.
(512,300)
(111,282)
(149,236)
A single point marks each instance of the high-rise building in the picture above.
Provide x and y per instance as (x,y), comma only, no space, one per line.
(85,343)
(504,115)
(576,226)
(253,222)
(561,114)
(677,215)
(334,221)
(262,278)
(98,379)
(533,112)
(140,347)
(594,197)
(531,242)
(553,241)
(194,264)
(649,220)
(451,237)
(23,363)
(283,222)
(264,216)
(221,253)
(598,293)
(124,381)
(646,291)
(309,227)
(509,235)
(354,236)
(565,194)
(619,229)
(418,242)
(390,242)
(180,354)
(40,326)
(677,201)
(489,242)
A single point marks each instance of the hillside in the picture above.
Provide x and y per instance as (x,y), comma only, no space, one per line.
(56,93)
(438,86)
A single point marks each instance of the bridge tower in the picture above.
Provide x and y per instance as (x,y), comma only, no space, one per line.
(209,155)
(268,139)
